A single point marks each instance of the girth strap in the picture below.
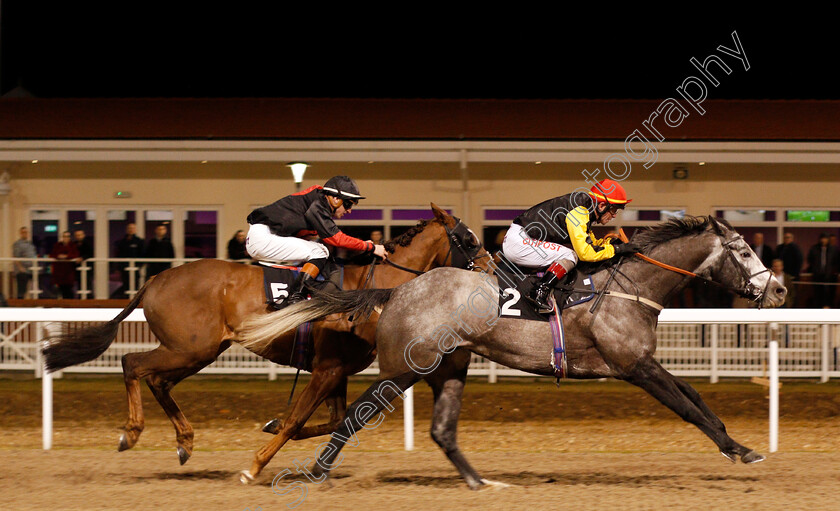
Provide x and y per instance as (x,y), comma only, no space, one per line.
(636,298)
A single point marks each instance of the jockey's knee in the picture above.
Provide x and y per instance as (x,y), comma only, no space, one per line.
(319,252)
(567,262)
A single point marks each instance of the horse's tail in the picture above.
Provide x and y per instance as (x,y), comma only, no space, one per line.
(258,332)
(76,347)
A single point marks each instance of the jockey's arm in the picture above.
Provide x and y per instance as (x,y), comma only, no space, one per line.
(320,219)
(577,223)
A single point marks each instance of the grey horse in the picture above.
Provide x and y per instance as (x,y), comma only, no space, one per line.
(429,326)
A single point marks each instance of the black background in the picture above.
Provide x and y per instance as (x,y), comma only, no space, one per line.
(251,50)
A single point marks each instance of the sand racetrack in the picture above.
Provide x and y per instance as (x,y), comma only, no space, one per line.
(584,445)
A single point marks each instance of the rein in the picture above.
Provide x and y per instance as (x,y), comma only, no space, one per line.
(623,237)
(399,267)
(746,292)
(454,243)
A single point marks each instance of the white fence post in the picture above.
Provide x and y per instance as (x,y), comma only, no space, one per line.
(46,392)
(84,271)
(408,418)
(713,344)
(824,353)
(491,372)
(36,281)
(774,395)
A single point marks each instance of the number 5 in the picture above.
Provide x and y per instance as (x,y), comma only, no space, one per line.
(278,291)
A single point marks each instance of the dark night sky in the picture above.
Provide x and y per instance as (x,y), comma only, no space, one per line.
(148,51)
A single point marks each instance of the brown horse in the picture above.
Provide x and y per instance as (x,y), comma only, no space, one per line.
(194,310)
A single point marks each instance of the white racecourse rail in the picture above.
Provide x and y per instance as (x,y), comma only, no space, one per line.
(710,343)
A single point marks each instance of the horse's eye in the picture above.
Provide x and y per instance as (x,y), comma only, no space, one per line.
(746,255)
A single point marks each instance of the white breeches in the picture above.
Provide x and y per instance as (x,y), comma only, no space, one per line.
(262,245)
(523,250)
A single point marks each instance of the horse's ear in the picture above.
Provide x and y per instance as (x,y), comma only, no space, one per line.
(442,216)
(717,226)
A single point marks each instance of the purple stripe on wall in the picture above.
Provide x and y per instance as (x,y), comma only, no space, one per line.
(650,215)
(414,214)
(502,214)
(364,214)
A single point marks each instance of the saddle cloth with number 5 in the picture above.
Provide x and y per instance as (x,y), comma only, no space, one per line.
(278,280)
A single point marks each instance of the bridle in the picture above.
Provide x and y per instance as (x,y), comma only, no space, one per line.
(465,257)
(749,290)
(458,255)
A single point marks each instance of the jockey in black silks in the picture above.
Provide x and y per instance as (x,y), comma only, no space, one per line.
(556,233)
(277,231)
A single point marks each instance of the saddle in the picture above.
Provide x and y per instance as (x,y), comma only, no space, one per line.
(278,279)
(577,288)
(517,281)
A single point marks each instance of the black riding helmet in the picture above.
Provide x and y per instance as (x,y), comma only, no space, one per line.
(345,189)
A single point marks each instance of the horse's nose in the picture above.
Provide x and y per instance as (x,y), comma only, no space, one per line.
(781,291)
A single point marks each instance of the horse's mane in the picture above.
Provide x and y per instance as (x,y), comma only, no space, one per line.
(676,228)
(404,239)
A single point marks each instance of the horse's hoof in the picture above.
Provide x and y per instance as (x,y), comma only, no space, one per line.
(493,485)
(730,456)
(245,477)
(752,457)
(123,445)
(475,484)
(183,455)
(272,426)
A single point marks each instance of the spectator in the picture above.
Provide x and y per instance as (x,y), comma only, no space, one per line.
(23,248)
(85,248)
(236,247)
(64,271)
(790,254)
(785,279)
(159,247)
(764,252)
(376,237)
(821,259)
(131,246)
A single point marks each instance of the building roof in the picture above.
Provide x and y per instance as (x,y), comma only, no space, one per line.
(413,119)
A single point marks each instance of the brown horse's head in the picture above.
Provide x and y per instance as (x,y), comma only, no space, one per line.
(442,241)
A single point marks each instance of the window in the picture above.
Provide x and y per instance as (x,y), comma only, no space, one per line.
(200,234)
(808,216)
(154,218)
(45,227)
(736,216)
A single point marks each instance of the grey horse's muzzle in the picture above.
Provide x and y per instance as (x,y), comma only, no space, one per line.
(773,294)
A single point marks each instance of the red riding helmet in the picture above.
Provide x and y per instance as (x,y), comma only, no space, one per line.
(610,192)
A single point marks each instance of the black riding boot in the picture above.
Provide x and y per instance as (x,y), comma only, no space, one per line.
(538,297)
(298,290)
(309,272)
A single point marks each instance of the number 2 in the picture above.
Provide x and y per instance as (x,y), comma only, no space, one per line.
(506,307)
